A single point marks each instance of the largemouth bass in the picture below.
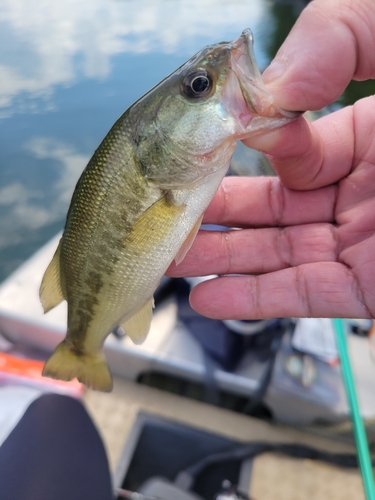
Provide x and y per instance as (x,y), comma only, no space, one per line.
(139,202)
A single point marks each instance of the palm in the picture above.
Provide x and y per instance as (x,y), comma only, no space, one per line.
(355,209)
(306,250)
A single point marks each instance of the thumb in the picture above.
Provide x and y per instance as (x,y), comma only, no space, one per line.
(331,43)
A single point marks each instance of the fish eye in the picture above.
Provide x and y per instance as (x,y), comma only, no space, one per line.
(197,84)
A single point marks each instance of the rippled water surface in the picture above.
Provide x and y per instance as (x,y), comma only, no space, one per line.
(69,69)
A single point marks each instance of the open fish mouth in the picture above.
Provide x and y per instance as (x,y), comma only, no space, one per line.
(255,94)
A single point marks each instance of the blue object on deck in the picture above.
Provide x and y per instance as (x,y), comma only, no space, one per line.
(54,452)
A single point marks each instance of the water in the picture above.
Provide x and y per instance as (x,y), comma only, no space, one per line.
(69,69)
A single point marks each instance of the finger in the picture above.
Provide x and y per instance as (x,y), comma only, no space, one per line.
(328,46)
(309,290)
(310,155)
(265,201)
(258,250)
(360,258)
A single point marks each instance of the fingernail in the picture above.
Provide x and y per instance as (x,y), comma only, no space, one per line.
(275,70)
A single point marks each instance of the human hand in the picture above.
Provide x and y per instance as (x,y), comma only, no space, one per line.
(307,247)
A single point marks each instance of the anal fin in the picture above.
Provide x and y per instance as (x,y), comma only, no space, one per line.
(188,242)
(50,291)
(138,325)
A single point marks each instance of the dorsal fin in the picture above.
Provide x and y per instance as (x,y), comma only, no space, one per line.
(50,291)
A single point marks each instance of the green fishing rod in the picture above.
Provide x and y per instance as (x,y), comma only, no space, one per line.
(363,452)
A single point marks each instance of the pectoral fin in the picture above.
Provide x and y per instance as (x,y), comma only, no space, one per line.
(154,224)
(188,242)
(50,291)
(138,325)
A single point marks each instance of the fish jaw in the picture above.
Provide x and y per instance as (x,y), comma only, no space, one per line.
(245,95)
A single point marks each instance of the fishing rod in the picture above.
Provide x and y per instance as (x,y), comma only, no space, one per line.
(363,452)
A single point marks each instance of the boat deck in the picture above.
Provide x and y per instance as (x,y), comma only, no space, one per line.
(274,477)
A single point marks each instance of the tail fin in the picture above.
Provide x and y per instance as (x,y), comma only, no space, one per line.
(90,369)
